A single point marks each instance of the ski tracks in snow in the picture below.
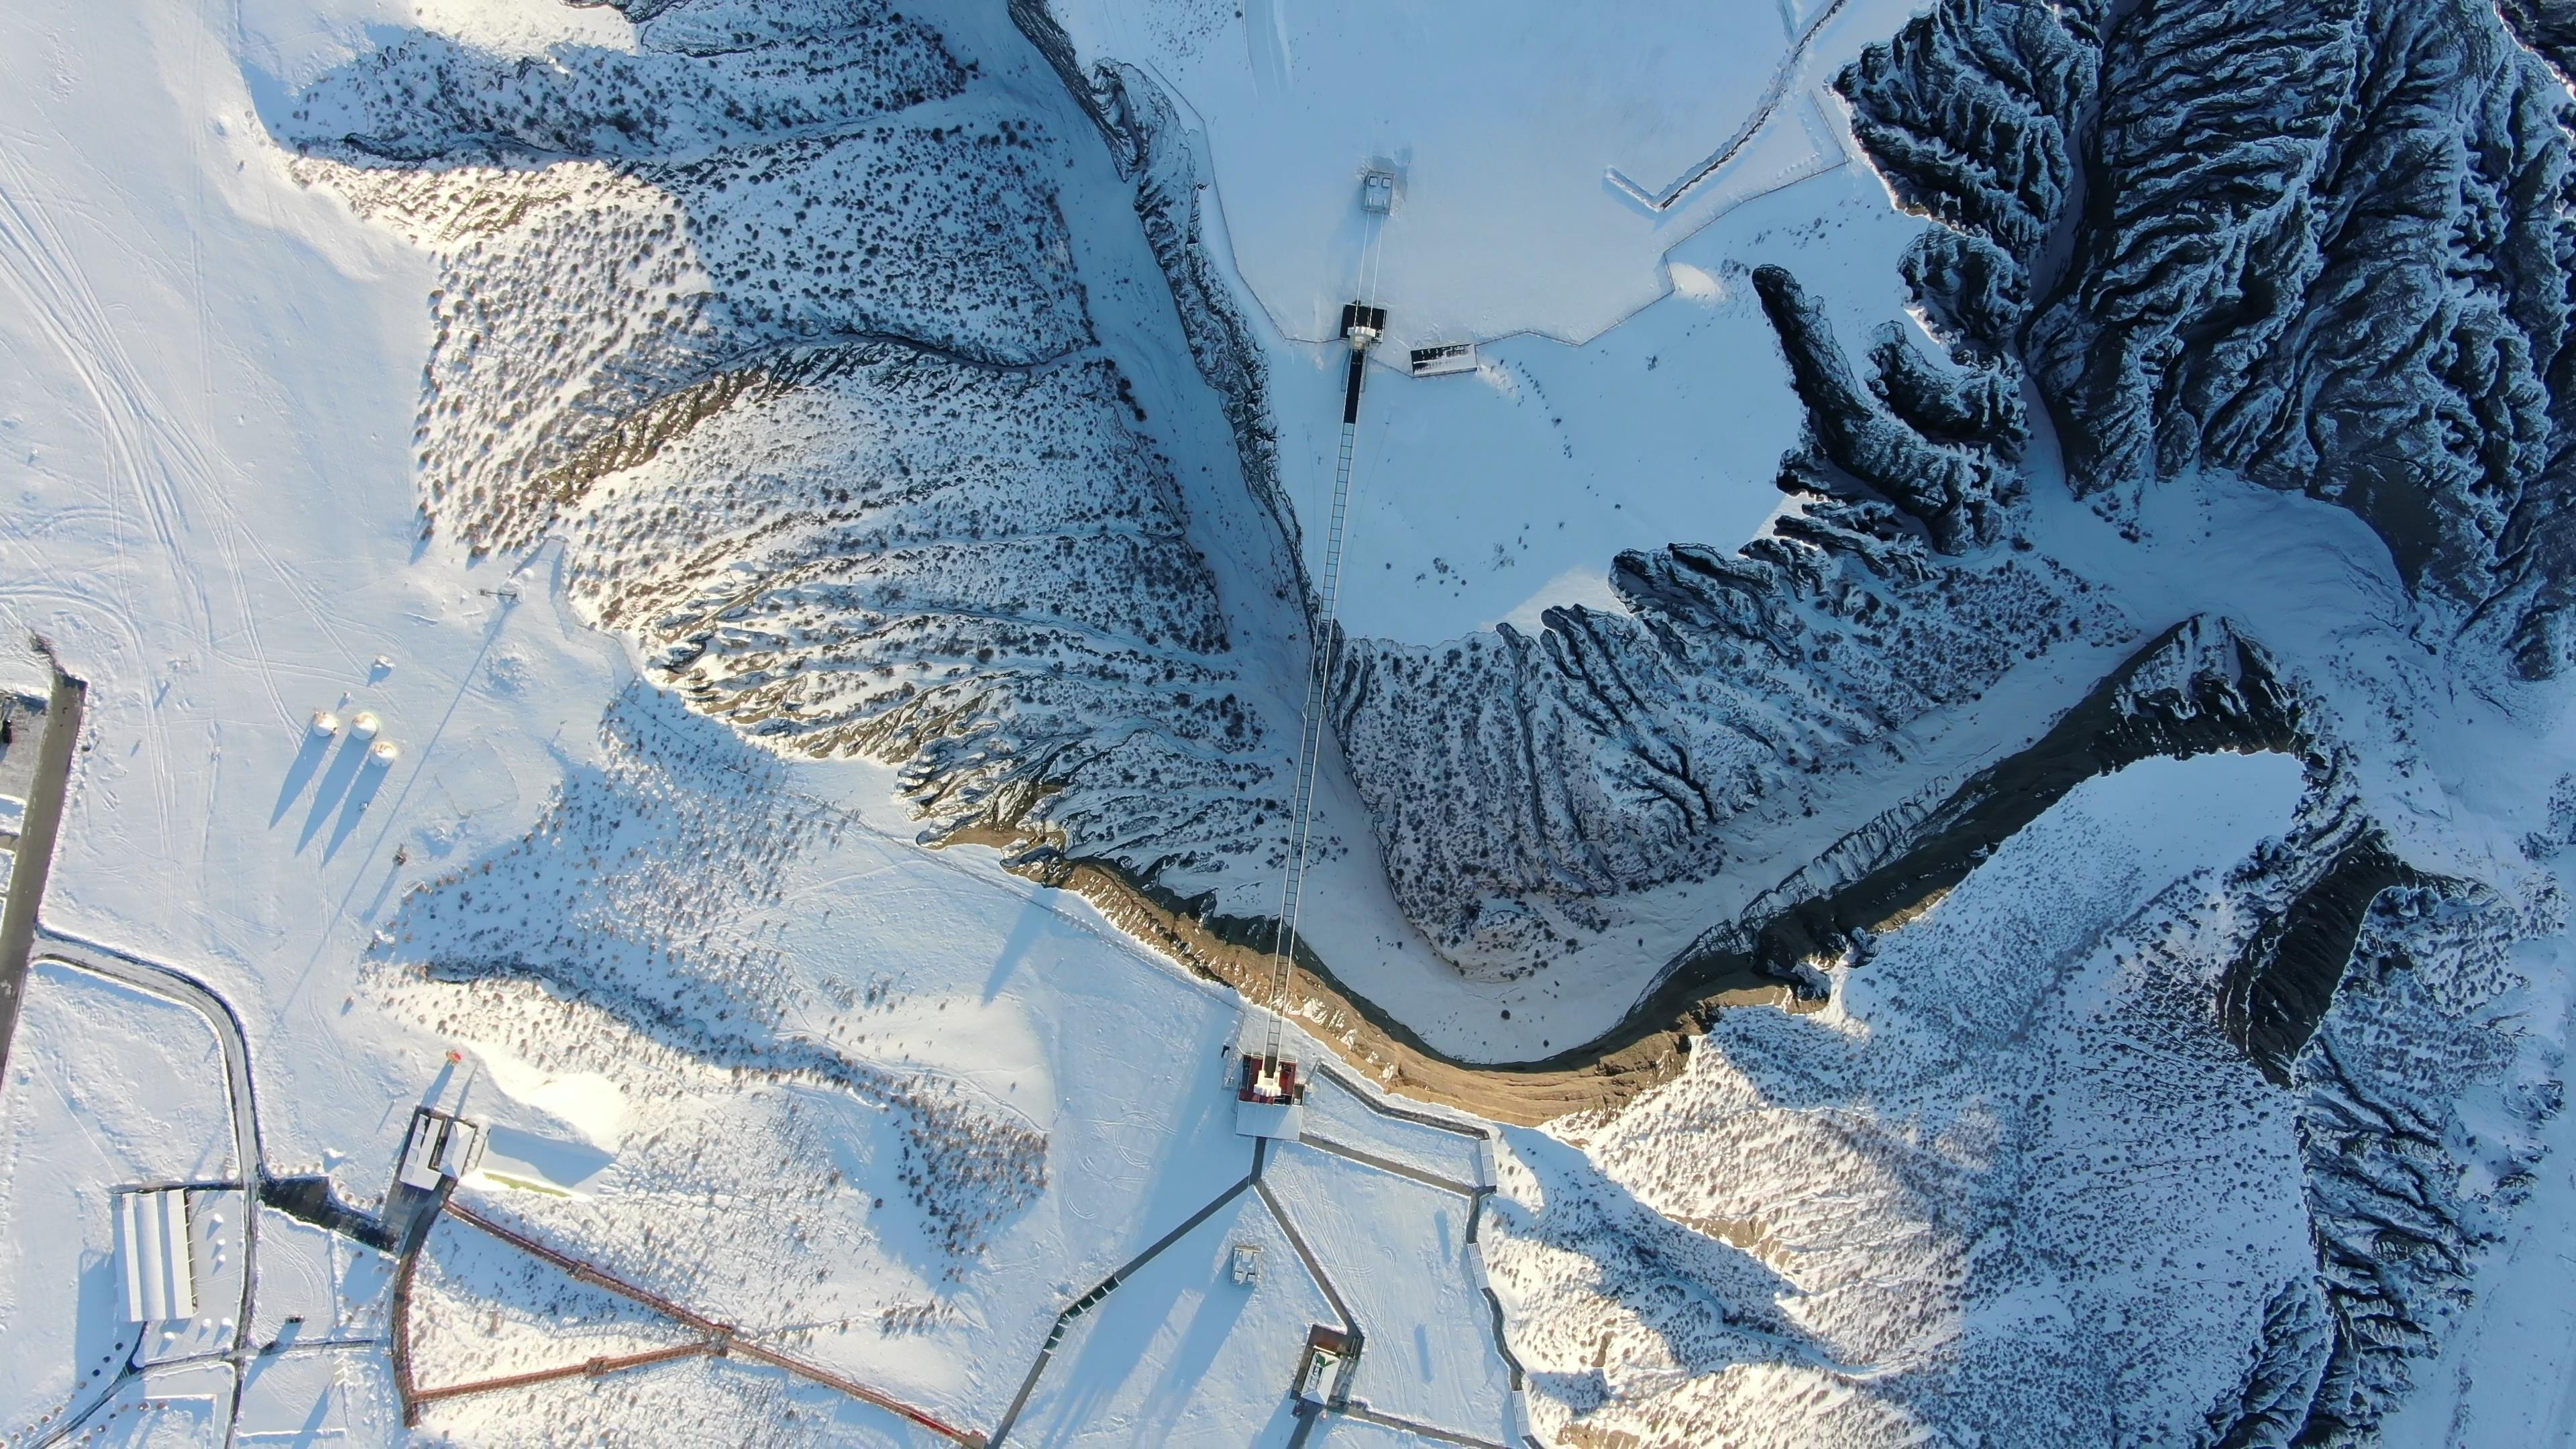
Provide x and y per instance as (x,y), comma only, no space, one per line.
(153,458)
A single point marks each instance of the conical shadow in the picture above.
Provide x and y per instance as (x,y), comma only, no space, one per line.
(371,778)
(307,760)
(342,774)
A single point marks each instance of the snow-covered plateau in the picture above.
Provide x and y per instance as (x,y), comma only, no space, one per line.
(1805,723)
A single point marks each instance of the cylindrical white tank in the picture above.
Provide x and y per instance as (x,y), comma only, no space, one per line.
(325,722)
(385,752)
(365,725)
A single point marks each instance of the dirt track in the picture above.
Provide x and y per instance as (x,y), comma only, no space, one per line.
(2131,715)
(1604,1074)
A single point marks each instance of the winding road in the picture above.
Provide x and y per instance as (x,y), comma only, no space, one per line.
(250,1167)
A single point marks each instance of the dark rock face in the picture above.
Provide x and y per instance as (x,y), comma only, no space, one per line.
(2546,26)
(1515,780)
(2279,988)
(1973,114)
(2197,688)
(807,380)
(2360,288)
(2397,1216)
(2289,1359)
(1954,490)
(2322,245)
(1978,407)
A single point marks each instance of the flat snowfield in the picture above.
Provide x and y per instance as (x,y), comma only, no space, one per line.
(1629,394)
(1529,144)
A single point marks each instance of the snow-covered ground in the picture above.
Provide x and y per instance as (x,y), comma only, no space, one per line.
(741,1038)
(2056,1189)
(1489,496)
(208,396)
(1953,1060)
(1629,393)
(1509,130)
(107,1087)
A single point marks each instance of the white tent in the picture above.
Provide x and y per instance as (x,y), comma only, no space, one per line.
(154,1256)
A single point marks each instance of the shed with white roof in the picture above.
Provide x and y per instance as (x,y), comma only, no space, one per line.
(154,1254)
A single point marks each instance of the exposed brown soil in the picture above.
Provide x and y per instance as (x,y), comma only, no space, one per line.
(1603,1075)
(1747,963)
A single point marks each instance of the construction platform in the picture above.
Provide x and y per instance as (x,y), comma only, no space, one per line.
(1269,1081)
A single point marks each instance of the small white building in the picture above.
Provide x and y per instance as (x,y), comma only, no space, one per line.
(1319,1372)
(1247,1263)
(1443,359)
(155,1254)
(441,1146)
(1377,191)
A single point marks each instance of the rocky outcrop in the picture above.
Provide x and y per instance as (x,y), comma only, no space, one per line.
(1954,490)
(1974,114)
(1515,780)
(2279,987)
(2324,245)
(2548,27)
(807,381)
(2288,1360)
(1967,407)
(2199,687)
(2402,1194)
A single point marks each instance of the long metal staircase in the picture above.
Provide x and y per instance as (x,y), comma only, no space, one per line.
(1361,326)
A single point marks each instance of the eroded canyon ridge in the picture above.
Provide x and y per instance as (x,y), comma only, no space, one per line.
(797,331)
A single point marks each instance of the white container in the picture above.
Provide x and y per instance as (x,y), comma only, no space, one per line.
(365,725)
(325,722)
(385,753)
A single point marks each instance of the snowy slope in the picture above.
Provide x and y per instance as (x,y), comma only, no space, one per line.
(786,476)
(2060,1199)
(2324,256)
(225,536)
